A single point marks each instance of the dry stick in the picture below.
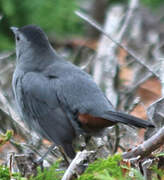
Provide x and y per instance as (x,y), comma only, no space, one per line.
(162,75)
(7,109)
(133,88)
(80,157)
(11,113)
(130,90)
(98,27)
(147,147)
(6,69)
(107,49)
(6,55)
(105,66)
(132,7)
(117,139)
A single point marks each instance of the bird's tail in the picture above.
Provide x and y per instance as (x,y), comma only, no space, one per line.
(129,119)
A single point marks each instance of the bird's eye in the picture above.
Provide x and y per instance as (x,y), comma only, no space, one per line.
(17,38)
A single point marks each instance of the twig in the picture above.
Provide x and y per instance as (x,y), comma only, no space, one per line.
(105,63)
(162,74)
(6,55)
(11,113)
(26,163)
(98,27)
(77,161)
(90,59)
(117,139)
(6,69)
(132,7)
(146,167)
(138,83)
(159,55)
(147,147)
(135,102)
(121,147)
(105,66)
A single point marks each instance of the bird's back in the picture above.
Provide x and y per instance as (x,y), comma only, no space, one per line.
(79,88)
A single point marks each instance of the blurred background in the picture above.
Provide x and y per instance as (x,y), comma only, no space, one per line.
(57,17)
(129,84)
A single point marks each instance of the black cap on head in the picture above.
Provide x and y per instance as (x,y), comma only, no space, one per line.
(35,35)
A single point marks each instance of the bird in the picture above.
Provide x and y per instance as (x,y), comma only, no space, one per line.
(55,98)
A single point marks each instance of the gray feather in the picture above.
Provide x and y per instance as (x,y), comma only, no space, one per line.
(50,92)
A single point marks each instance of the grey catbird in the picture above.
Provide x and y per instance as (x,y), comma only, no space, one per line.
(56,98)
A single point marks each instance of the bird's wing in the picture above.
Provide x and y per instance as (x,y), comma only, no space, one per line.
(79,94)
(41,103)
(82,95)
(83,101)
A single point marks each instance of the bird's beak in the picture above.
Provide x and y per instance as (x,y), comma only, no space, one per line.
(14,29)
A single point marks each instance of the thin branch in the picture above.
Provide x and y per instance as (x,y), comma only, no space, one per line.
(139,83)
(77,161)
(6,55)
(147,147)
(131,89)
(132,7)
(98,27)
(7,109)
(26,164)
(117,139)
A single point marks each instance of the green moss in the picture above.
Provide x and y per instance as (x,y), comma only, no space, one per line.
(101,169)
(5,137)
(49,174)
(158,171)
(152,3)
(104,169)
(4,173)
(110,169)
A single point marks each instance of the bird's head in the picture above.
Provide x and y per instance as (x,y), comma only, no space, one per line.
(30,39)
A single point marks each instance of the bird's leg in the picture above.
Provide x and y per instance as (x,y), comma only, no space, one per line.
(46,153)
(63,154)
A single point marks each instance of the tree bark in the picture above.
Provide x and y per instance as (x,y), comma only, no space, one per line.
(147,147)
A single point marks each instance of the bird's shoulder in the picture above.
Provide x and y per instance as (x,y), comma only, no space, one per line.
(68,73)
(37,86)
(62,68)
